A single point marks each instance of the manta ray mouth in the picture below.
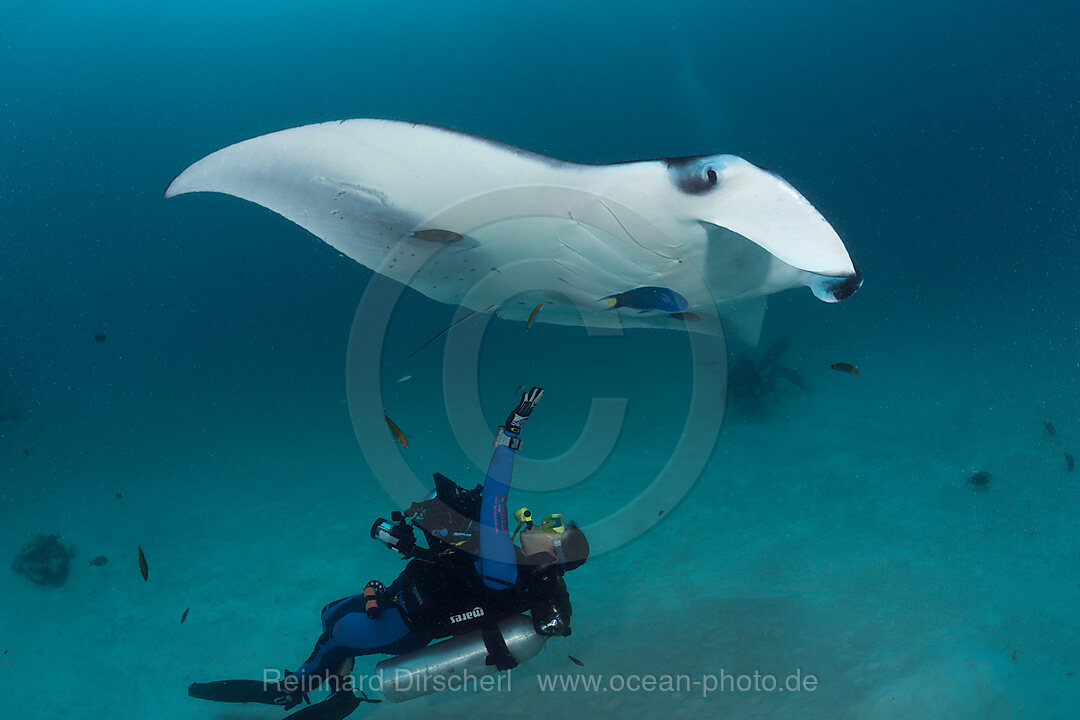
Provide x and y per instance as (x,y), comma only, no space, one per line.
(839,289)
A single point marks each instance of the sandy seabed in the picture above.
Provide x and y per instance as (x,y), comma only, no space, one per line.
(833,535)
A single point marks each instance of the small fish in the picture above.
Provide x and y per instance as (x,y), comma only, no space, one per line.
(648,298)
(845,367)
(143,567)
(396,432)
(26,452)
(99,337)
(403,378)
(532,316)
(436,235)
(119,496)
(184,616)
(519,389)
(1070,464)
(6,652)
(685,315)
(575,660)
(659,513)
(1050,429)
(99,561)
(980,479)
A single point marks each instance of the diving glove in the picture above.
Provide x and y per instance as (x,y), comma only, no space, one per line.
(521,413)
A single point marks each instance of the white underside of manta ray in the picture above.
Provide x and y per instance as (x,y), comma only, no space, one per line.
(718,230)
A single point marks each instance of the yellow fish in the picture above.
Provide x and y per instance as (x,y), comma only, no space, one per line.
(436,235)
(398,435)
(845,367)
(532,316)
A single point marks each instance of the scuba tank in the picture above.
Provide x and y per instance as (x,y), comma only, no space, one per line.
(481,652)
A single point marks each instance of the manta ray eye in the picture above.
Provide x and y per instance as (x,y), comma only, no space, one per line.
(711,175)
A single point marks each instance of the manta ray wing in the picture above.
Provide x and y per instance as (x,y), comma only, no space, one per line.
(716,229)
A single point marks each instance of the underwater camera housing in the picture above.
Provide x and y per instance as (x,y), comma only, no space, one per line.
(397,535)
(446,519)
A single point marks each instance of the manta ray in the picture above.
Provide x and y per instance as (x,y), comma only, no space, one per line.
(474,222)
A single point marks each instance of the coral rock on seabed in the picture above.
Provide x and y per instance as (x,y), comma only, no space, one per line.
(980,481)
(44,560)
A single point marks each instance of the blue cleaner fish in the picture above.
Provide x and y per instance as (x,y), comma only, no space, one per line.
(648,298)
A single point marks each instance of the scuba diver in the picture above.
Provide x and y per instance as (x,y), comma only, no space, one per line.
(466,583)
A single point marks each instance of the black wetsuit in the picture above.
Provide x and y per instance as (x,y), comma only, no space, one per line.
(449,594)
(450,598)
